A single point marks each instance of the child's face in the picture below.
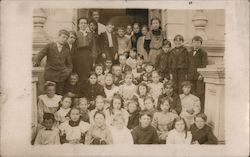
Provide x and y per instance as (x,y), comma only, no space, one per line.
(48,123)
(83,105)
(139,61)
(108,63)
(122,60)
(117,104)
(149,104)
(136,29)
(196,44)
(132,54)
(128,79)
(121,32)
(92,79)
(180,126)
(142,90)
(169,89)
(83,24)
(199,122)
(149,68)
(165,106)
(98,70)
(99,104)
(96,15)
(132,107)
(117,70)
(119,123)
(99,119)
(73,80)
(50,91)
(109,80)
(155,77)
(145,121)
(71,39)
(155,24)
(74,115)
(186,90)
(66,103)
(178,42)
(129,29)
(110,28)
(144,31)
(62,38)
(166,48)
(92,27)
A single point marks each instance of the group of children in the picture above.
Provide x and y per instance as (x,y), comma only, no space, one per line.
(145,93)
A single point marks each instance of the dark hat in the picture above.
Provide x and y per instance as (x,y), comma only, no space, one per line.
(197,38)
(64,31)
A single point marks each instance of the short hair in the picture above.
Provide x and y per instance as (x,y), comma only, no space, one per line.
(73,33)
(140,56)
(169,83)
(201,115)
(99,65)
(122,55)
(94,10)
(63,31)
(116,96)
(48,84)
(48,116)
(144,26)
(109,74)
(166,42)
(186,84)
(92,73)
(121,28)
(94,22)
(197,38)
(133,49)
(75,75)
(147,113)
(180,37)
(136,23)
(149,98)
(109,23)
(83,98)
(155,18)
(99,112)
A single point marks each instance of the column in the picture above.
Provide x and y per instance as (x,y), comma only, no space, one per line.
(200,21)
(214,77)
(34,107)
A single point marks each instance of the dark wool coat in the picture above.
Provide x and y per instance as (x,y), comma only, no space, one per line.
(204,135)
(59,65)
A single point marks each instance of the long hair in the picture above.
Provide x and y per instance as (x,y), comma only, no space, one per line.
(116,96)
(177,119)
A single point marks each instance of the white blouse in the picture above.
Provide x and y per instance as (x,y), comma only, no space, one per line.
(175,137)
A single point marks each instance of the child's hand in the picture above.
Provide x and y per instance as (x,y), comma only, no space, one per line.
(200,77)
(103,55)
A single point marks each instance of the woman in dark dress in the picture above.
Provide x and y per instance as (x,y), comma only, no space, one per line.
(83,58)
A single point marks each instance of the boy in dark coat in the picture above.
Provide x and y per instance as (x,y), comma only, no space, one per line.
(144,133)
(201,132)
(179,62)
(197,59)
(162,60)
(58,65)
(108,42)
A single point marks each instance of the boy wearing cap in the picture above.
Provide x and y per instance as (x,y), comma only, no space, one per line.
(109,42)
(197,59)
(58,65)
(190,104)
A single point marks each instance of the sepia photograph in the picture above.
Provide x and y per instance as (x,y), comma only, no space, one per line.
(124,78)
(128,76)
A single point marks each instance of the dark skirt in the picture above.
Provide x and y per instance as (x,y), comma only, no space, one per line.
(83,63)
